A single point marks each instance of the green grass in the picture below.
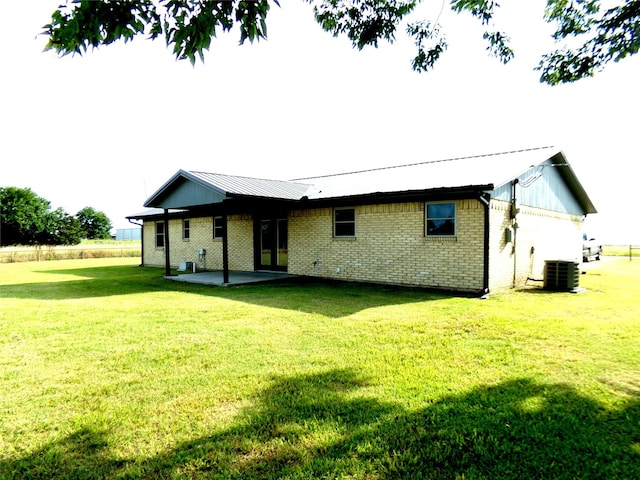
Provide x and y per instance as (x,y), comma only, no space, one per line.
(109,371)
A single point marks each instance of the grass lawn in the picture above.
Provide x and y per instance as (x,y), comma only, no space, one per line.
(109,371)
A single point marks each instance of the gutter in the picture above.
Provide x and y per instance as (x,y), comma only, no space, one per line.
(456,193)
(141,225)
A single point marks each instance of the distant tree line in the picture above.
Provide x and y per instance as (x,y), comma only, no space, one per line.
(27,219)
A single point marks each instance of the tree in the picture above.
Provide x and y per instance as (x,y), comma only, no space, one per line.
(26,219)
(62,229)
(23,216)
(95,224)
(601,34)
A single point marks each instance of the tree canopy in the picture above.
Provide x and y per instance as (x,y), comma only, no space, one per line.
(96,225)
(23,215)
(599,35)
(27,219)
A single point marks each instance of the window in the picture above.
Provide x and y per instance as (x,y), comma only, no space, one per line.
(441,219)
(159,234)
(344,222)
(218,227)
(186,227)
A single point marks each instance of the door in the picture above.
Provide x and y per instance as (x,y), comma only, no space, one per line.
(272,246)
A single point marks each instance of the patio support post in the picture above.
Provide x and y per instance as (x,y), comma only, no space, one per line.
(167,259)
(225,251)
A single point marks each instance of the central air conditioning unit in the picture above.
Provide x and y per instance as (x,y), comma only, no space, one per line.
(185,266)
(561,275)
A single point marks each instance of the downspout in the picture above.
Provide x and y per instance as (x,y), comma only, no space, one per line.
(167,259)
(514,214)
(484,199)
(225,251)
(141,225)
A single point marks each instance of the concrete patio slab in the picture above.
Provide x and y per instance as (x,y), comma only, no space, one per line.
(215,278)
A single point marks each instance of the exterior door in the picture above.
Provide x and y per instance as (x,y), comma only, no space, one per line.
(272,246)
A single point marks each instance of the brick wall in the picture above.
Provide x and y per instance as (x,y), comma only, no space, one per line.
(240,235)
(390,247)
(541,235)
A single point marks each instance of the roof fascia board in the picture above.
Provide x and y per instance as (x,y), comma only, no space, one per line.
(569,176)
(173,213)
(456,193)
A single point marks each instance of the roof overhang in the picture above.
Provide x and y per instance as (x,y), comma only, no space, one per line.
(154,213)
(432,194)
(569,176)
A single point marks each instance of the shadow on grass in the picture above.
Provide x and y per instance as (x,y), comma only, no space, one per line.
(321,426)
(329,298)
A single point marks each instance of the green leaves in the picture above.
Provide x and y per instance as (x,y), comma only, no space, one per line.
(426,57)
(95,224)
(499,46)
(573,17)
(601,38)
(364,22)
(481,9)
(189,26)
(84,24)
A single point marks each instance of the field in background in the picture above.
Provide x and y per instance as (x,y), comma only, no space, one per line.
(621,250)
(132,248)
(85,250)
(108,371)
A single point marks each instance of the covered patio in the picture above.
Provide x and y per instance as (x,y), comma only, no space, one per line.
(217,278)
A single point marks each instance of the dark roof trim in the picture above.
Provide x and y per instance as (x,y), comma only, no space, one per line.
(152,213)
(436,194)
(564,168)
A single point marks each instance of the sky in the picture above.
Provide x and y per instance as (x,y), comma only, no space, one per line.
(108,128)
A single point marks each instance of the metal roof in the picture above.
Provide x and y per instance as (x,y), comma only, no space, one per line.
(214,188)
(491,170)
(482,172)
(254,187)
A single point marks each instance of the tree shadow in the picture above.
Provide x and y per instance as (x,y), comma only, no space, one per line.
(329,298)
(82,455)
(323,426)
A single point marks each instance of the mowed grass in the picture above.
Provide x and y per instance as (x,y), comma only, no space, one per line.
(109,371)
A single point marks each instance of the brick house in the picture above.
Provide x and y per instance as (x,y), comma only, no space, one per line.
(471,224)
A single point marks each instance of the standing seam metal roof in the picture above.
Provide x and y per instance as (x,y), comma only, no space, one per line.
(255,187)
(482,171)
(492,169)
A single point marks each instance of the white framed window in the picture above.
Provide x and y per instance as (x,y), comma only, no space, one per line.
(186,229)
(344,222)
(440,219)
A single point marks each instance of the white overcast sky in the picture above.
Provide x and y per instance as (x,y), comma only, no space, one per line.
(109,128)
